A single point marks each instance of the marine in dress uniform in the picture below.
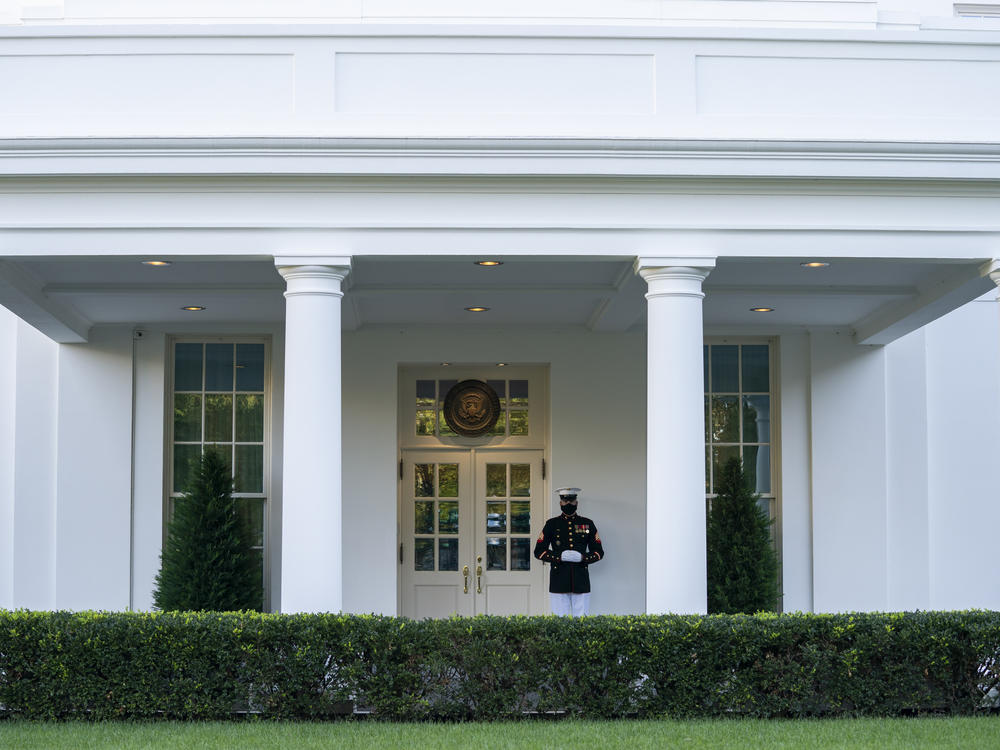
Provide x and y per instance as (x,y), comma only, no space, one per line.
(569,543)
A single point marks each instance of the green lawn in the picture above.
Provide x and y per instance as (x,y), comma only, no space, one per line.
(975,732)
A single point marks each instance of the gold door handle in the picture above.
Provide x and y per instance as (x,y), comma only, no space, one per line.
(465,572)
(479,579)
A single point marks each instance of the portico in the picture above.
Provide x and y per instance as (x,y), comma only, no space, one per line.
(643,195)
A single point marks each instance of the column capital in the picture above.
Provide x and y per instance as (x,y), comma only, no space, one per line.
(650,262)
(311,275)
(674,276)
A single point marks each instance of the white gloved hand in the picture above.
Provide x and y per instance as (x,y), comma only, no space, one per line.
(571,555)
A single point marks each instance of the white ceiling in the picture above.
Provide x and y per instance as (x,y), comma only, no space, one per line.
(602,294)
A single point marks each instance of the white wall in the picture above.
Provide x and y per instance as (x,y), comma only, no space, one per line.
(8,360)
(597,426)
(795,484)
(93,471)
(963,414)
(147,520)
(34,480)
(848,410)
(906,502)
(403,81)
(847,13)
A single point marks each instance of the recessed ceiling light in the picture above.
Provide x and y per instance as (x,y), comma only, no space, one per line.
(446,364)
(489,262)
(477,309)
(193,308)
(814,264)
(157,263)
(501,364)
(761,309)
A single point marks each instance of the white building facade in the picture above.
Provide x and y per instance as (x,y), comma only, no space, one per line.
(762,229)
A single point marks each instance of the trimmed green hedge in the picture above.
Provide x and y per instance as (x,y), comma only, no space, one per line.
(217,665)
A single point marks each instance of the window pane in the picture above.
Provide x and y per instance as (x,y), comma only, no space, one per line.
(520,480)
(720,455)
(757,466)
(423,517)
(496,480)
(443,387)
(448,480)
(187,367)
(423,480)
(445,430)
(496,553)
(500,386)
(225,452)
(519,392)
(187,417)
(756,368)
(252,516)
(519,423)
(249,468)
(423,554)
(425,393)
(425,421)
(218,418)
(520,517)
(185,458)
(520,554)
(448,517)
(219,367)
(500,426)
(496,518)
(725,377)
(250,367)
(249,417)
(757,419)
(725,419)
(447,554)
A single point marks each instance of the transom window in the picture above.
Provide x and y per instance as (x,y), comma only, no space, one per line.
(219,404)
(429,408)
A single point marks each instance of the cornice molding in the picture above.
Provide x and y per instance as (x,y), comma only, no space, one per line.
(936,31)
(310,157)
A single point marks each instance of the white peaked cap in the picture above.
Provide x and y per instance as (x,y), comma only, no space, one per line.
(563,491)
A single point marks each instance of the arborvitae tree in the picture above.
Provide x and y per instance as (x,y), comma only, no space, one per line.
(742,565)
(207,562)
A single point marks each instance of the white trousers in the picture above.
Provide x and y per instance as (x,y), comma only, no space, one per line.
(571,605)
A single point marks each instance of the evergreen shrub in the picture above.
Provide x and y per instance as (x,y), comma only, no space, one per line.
(742,564)
(207,562)
(209,665)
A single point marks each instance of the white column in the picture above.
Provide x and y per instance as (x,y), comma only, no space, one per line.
(675,435)
(311,539)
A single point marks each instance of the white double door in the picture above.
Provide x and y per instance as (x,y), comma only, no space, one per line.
(468,524)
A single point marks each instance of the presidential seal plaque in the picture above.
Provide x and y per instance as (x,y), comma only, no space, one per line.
(471,408)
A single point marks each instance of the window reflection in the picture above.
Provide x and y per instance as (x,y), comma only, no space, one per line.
(496,553)
(520,554)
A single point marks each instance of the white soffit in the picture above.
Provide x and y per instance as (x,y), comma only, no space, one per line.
(881,299)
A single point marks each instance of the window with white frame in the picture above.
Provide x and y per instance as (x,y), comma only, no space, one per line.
(738,415)
(218,402)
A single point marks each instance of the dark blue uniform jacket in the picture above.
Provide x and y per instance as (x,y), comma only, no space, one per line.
(569,532)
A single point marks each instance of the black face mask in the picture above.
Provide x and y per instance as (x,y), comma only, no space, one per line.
(569,508)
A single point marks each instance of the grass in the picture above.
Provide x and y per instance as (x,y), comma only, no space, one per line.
(884,734)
